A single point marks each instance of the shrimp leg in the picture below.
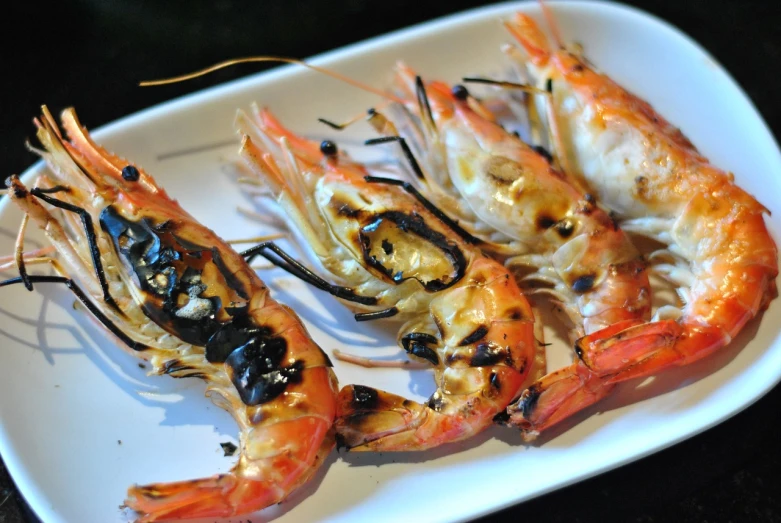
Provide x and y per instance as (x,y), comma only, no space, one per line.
(82,296)
(433,209)
(89,230)
(300,271)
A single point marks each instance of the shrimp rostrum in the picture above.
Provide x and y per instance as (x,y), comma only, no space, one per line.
(531,215)
(462,312)
(719,253)
(179,297)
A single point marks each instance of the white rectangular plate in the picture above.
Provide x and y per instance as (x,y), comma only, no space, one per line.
(81,421)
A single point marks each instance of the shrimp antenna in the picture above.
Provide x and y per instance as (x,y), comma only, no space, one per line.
(256,59)
(550,20)
(424,104)
(502,83)
(370,114)
(558,141)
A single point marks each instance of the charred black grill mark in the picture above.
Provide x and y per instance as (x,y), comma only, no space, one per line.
(345,210)
(487,354)
(502,417)
(256,369)
(436,402)
(529,400)
(253,356)
(583,283)
(495,383)
(364,398)
(154,264)
(425,202)
(542,151)
(515,314)
(233,335)
(413,223)
(613,219)
(476,335)
(230,278)
(545,222)
(19,191)
(387,247)
(565,228)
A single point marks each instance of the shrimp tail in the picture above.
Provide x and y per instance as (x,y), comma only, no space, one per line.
(561,394)
(556,397)
(532,39)
(632,352)
(200,498)
(366,415)
(235,493)
(374,420)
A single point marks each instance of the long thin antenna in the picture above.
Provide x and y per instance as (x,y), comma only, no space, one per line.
(256,59)
(550,20)
(503,83)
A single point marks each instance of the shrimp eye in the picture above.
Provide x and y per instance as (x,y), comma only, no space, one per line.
(130,173)
(328,148)
(460,92)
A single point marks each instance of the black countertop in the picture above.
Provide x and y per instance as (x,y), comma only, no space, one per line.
(91,54)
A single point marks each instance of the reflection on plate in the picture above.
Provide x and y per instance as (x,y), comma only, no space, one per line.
(75,402)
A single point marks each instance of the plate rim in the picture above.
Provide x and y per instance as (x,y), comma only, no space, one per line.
(26,484)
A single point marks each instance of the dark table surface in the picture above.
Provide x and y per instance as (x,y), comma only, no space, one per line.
(91,54)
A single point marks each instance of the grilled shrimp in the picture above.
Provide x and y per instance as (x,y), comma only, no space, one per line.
(180,298)
(510,195)
(463,313)
(719,253)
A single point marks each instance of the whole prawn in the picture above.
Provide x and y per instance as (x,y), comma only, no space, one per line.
(463,313)
(719,252)
(531,215)
(178,296)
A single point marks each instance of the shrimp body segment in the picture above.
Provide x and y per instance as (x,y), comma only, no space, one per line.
(719,252)
(182,299)
(461,311)
(511,195)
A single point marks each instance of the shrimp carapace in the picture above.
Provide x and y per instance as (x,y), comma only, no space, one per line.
(462,312)
(179,297)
